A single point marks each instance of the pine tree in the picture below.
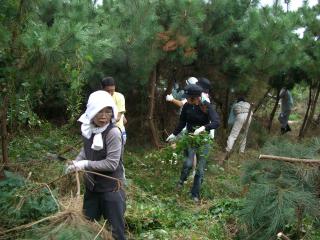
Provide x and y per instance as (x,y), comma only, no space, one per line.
(310,61)
(280,195)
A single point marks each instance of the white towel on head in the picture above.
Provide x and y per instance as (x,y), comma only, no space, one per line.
(96,102)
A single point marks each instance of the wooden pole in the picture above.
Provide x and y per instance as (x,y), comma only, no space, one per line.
(289,159)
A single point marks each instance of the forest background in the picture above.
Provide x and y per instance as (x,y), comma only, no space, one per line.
(53,54)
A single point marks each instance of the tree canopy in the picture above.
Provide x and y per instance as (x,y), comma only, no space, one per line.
(54,53)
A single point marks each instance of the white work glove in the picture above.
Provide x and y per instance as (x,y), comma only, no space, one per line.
(171,138)
(169,98)
(211,134)
(199,130)
(77,165)
(184,130)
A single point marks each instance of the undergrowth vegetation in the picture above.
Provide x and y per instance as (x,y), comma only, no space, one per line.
(248,199)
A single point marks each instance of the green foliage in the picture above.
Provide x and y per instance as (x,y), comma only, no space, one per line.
(21,113)
(18,206)
(63,231)
(223,209)
(61,49)
(268,42)
(277,190)
(152,217)
(34,150)
(257,135)
(193,141)
(75,98)
(294,117)
(284,147)
(156,210)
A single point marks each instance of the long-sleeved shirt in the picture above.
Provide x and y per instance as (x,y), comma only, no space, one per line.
(106,161)
(113,154)
(193,117)
(241,107)
(286,100)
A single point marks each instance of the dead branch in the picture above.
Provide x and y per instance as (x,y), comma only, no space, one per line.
(78,184)
(289,159)
(281,235)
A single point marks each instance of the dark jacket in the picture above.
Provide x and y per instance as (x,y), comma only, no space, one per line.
(194,116)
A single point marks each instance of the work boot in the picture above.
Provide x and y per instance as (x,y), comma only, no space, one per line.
(223,158)
(288,128)
(226,156)
(195,199)
(179,186)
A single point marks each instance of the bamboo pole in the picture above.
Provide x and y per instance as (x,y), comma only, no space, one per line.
(289,159)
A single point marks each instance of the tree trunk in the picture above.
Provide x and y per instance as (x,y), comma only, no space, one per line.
(313,108)
(4,136)
(226,112)
(151,96)
(302,128)
(299,214)
(273,112)
(261,101)
(170,82)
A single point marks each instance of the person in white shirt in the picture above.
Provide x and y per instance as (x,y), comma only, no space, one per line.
(241,109)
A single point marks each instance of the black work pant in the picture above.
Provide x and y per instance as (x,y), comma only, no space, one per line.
(111,205)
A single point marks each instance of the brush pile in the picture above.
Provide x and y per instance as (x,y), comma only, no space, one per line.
(30,210)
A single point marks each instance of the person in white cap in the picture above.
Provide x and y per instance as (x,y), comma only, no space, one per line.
(102,153)
(180,103)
